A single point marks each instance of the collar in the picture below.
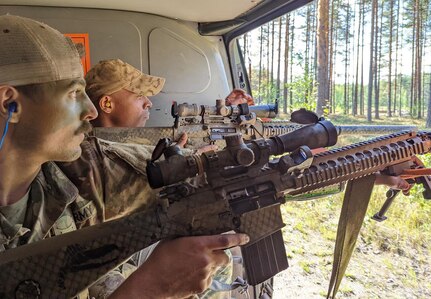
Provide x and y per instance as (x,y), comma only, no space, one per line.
(51,193)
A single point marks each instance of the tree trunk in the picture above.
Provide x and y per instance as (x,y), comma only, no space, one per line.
(260,66)
(292,38)
(362,104)
(271,72)
(377,43)
(286,63)
(313,54)
(400,101)
(396,56)
(370,76)
(267,75)
(428,123)
(418,76)
(307,54)
(346,61)
(322,57)
(412,81)
(391,26)
(332,43)
(355,96)
(278,60)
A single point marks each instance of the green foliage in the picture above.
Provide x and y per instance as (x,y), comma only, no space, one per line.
(267,91)
(304,92)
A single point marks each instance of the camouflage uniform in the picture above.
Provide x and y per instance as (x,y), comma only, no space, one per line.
(111,181)
(108,181)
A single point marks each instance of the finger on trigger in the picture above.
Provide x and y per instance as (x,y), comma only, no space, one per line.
(226,241)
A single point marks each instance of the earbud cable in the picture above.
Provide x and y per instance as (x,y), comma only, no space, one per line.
(6,128)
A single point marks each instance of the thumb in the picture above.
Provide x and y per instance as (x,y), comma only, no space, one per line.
(206,148)
(181,142)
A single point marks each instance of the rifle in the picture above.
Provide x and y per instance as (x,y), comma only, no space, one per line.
(209,124)
(206,124)
(243,191)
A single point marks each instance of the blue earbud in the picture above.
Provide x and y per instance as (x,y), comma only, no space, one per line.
(12,107)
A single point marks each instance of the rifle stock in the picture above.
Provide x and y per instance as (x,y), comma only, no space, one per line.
(239,195)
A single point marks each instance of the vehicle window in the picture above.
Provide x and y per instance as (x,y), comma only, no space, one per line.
(280,59)
(374,58)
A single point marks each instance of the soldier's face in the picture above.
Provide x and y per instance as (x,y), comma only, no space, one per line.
(130,109)
(52,127)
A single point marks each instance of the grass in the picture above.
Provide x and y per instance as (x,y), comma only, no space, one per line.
(341,119)
(322,252)
(411,278)
(351,276)
(408,223)
(346,290)
(306,266)
(406,232)
(298,250)
(301,227)
(362,120)
(409,218)
(388,264)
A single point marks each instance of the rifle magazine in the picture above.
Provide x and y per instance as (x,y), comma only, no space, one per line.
(265,258)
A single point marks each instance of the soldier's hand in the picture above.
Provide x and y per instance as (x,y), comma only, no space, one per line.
(180,268)
(394,182)
(182,141)
(239,96)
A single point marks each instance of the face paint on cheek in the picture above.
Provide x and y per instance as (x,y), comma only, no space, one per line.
(146,114)
(66,130)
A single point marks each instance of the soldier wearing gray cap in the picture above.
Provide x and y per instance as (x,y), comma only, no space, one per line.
(54,180)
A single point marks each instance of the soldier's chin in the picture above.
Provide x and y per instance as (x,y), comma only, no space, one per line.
(143,122)
(70,155)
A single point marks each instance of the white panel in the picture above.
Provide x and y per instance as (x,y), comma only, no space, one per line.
(183,64)
(126,35)
(188,10)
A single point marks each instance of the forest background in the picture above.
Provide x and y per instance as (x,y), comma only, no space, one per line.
(361,58)
(355,62)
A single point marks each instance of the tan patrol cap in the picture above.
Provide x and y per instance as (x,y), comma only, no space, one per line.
(32,52)
(109,76)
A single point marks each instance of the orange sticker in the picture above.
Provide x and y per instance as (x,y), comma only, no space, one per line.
(82,38)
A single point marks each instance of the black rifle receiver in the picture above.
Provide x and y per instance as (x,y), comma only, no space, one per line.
(240,159)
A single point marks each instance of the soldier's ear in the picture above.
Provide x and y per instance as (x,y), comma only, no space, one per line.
(8,96)
(106,104)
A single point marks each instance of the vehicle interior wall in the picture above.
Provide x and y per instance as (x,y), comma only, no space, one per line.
(195,67)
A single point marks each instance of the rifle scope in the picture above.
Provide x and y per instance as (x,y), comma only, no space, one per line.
(176,167)
(185,109)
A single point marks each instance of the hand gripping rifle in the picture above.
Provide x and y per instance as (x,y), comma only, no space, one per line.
(243,191)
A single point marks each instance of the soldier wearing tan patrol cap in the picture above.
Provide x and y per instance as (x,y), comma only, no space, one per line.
(54,180)
(120,93)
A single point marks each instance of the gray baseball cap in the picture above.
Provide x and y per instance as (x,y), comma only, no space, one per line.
(32,52)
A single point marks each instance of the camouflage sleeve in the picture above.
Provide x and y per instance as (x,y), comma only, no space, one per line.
(126,187)
(111,176)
